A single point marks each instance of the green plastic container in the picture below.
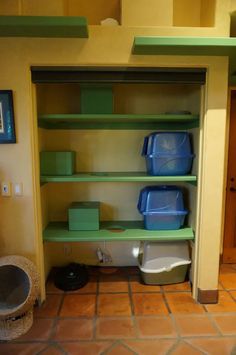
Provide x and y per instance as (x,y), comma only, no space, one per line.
(57,163)
(96,99)
(84,215)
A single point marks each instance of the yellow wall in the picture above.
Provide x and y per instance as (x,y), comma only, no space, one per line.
(212,14)
(20,225)
(147,12)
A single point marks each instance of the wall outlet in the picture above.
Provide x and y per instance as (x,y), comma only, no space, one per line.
(6,189)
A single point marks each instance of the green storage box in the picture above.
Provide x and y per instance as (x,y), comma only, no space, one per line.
(96,99)
(84,215)
(57,163)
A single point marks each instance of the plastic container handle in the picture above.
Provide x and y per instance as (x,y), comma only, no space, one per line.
(145,144)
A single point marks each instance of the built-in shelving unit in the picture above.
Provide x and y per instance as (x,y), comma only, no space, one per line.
(118,121)
(113,231)
(95,154)
(43,26)
(118,177)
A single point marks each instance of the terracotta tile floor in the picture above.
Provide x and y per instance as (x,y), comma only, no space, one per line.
(115,314)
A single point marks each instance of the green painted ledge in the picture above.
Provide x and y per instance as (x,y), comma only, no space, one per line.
(43,26)
(113,231)
(118,121)
(118,177)
(209,46)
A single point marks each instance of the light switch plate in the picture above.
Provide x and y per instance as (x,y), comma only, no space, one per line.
(18,189)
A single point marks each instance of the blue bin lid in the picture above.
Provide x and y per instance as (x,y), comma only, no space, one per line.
(166,213)
(167,143)
(160,199)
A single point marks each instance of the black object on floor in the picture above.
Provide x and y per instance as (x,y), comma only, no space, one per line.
(71,277)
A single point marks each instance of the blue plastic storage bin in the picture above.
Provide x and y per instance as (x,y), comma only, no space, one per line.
(168,153)
(162,207)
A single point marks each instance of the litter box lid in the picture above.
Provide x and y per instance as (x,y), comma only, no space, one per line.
(160,199)
(167,143)
(164,256)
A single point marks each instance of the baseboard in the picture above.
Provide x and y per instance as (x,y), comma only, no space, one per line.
(207,296)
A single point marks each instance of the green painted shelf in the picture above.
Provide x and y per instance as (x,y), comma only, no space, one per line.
(113,231)
(118,121)
(118,177)
(185,46)
(43,26)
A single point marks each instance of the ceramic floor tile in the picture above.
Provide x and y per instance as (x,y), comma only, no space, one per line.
(225,304)
(227,268)
(183,286)
(150,347)
(50,307)
(52,350)
(73,329)
(90,287)
(215,346)
(183,302)
(233,294)
(183,348)
(226,323)
(120,349)
(86,348)
(192,325)
(21,349)
(114,305)
(51,288)
(155,327)
(136,285)
(78,306)
(149,304)
(228,280)
(40,330)
(114,328)
(113,283)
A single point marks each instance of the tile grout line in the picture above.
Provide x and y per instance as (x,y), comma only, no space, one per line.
(130,293)
(95,318)
(195,347)
(166,301)
(212,337)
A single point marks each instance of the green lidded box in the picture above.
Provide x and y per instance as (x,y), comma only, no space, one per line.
(96,98)
(57,163)
(84,215)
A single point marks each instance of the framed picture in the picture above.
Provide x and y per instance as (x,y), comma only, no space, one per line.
(7,127)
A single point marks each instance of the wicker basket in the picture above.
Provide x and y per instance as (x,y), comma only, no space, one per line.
(13,327)
(19,287)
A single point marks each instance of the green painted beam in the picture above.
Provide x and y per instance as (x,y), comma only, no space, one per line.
(117,177)
(113,231)
(118,121)
(209,46)
(43,26)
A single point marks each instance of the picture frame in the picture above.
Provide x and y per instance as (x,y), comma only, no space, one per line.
(7,124)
